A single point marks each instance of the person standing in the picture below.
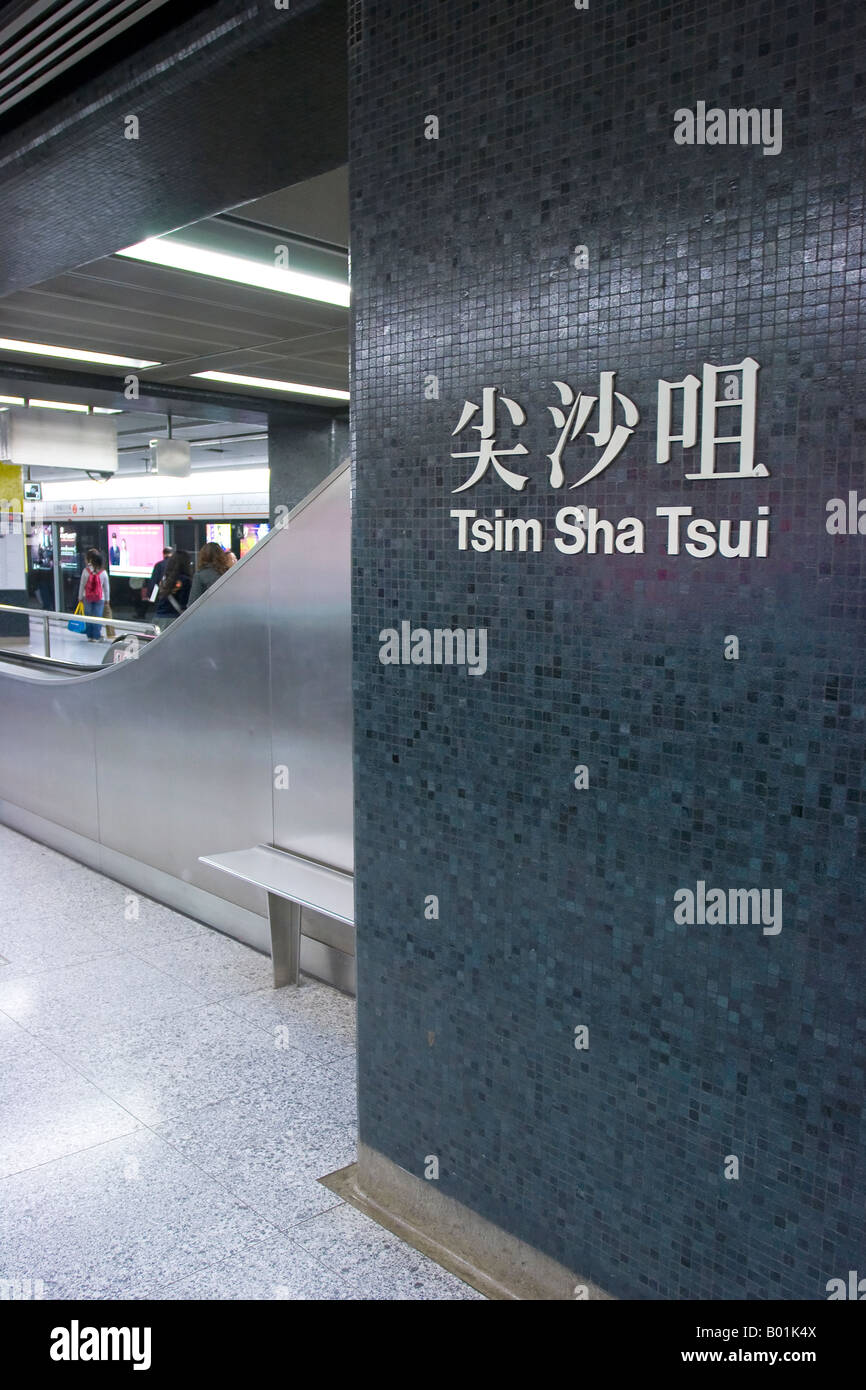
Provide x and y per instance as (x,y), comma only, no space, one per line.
(173,593)
(93,591)
(212,562)
(156,574)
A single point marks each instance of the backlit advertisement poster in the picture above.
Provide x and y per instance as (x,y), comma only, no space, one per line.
(41,544)
(219,533)
(250,533)
(12,550)
(68,548)
(134,549)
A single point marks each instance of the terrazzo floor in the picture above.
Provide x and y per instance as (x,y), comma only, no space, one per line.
(165,1113)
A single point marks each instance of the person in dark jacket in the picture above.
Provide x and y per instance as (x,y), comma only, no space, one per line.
(157,572)
(173,593)
(212,562)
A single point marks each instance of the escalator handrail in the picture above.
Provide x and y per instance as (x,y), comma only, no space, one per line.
(50,663)
(45,614)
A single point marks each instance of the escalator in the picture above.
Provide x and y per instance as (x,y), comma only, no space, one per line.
(231,728)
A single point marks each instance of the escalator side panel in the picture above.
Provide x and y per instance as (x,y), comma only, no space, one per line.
(164,758)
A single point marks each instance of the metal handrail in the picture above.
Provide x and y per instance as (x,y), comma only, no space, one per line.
(146,630)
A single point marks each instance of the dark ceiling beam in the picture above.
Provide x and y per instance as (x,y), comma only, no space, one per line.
(23,379)
(237,103)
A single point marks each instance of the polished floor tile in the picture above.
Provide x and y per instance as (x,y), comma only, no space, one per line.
(13,1038)
(165,1114)
(73,1001)
(318,1020)
(122,1219)
(45,944)
(165,1067)
(275,1269)
(213,965)
(144,925)
(49,1110)
(270,1157)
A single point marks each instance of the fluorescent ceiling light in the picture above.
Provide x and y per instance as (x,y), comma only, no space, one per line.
(180,256)
(327,392)
(74,354)
(62,405)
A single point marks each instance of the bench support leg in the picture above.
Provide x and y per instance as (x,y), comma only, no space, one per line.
(285,920)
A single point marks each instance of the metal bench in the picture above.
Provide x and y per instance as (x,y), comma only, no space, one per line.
(291,883)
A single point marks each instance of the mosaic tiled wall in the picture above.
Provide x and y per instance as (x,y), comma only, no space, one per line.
(562,1002)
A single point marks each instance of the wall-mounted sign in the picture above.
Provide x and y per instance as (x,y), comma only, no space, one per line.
(36,438)
(703,405)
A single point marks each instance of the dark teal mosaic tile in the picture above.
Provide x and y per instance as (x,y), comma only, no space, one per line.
(707,1041)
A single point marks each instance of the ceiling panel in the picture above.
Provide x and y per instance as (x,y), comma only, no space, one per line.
(192,323)
(317,208)
(44,38)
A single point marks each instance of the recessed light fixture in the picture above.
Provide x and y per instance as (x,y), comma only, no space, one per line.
(326,392)
(110,359)
(60,405)
(178,255)
(12,400)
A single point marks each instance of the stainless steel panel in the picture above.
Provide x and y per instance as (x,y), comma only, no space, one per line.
(328,930)
(334,967)
(47,749)
(311,654)
(192,739)
(172,755)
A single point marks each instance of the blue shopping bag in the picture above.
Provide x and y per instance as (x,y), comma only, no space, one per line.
(73,625)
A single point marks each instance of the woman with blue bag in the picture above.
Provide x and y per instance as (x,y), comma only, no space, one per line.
(93,592)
